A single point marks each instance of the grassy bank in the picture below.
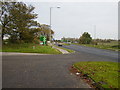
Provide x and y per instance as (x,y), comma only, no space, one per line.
(107,73)
(110,46)
(29,48)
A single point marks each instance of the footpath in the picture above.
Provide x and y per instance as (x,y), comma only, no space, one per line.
(61,50)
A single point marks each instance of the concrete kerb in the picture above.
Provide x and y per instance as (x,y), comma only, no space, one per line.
(16,53)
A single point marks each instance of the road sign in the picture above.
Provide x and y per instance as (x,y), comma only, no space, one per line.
(43,38)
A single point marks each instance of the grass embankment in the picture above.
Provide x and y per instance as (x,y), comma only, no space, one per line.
(106,72)
(29,48)
(113,45)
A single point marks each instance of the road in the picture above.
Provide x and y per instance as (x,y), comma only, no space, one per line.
(39,71)
(94,52)
(49,71)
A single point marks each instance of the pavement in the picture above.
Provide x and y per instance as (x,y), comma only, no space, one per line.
(61,50)
(49,71)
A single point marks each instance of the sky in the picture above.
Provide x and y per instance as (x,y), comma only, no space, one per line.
(73,18)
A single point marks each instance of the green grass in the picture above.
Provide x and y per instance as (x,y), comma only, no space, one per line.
(28,48)
(0,49)
(107,72)
(65,44)
(113,45)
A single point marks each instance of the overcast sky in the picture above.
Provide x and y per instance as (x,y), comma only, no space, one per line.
(74,18)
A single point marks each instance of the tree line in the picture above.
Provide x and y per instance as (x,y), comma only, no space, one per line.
(86,38)
(18,23)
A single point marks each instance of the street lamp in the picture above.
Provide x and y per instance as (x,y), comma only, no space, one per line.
(50,21)
(94,31)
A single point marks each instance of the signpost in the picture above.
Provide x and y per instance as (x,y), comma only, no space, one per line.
(44,40)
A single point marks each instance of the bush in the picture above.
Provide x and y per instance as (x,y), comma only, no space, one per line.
(94,42)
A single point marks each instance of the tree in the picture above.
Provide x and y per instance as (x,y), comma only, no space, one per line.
(20,24)
(5,19)
(45,30)
(85,38)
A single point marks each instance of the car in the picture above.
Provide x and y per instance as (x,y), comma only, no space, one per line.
(59,44)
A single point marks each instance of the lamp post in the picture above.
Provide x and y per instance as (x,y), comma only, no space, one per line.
(51,21)
(94,31)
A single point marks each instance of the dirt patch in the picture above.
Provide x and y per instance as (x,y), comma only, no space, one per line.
(86,78)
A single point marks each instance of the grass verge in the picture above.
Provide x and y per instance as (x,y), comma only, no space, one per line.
(108,46)
(65,44)
(106,74)
(29,48)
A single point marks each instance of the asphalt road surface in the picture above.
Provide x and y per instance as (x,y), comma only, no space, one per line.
(95,52)
(49,71)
